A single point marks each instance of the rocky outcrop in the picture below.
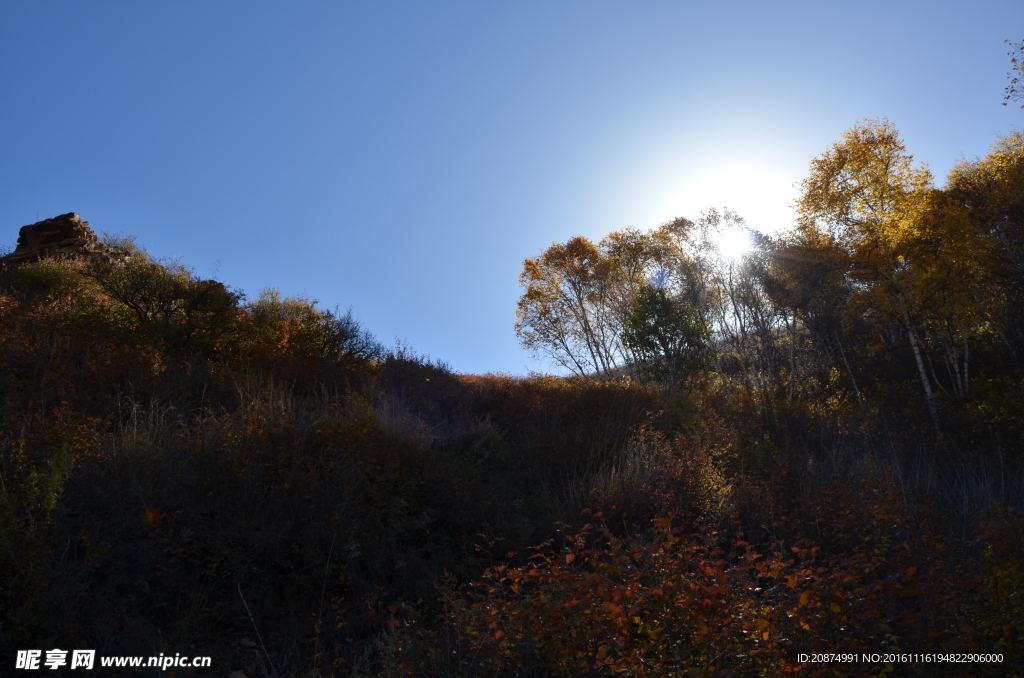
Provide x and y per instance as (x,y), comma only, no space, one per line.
(63,236)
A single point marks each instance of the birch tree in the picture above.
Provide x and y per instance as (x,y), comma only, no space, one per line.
(577,295)
(867,194)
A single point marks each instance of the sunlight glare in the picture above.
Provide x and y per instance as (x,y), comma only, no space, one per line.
(733,243)
(760,194)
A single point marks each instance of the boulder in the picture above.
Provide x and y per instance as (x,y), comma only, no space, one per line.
(64,236)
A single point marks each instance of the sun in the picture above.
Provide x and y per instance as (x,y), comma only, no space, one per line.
(755,190)
(732,243)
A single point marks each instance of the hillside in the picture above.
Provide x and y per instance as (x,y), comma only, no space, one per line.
(259,480)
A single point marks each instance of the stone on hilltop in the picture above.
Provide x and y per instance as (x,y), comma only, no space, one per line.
(64,236)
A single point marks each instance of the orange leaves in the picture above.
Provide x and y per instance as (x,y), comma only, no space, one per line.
(153,516)
(615,610)
(647,610)
(632,607)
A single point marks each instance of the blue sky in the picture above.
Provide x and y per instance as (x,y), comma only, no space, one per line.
(403,158)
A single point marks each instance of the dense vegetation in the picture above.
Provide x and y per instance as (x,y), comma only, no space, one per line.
(815,447)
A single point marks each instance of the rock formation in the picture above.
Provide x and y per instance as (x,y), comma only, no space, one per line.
(63,236)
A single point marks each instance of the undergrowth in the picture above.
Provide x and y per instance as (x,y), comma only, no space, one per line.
(263,483)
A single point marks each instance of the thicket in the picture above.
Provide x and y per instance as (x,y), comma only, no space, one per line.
(184,470)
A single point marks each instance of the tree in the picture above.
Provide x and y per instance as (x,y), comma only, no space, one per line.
(298,325)
(1015,90)
(745,322)
(991,191)
(167,298)
(560,312)
(807,276)
(686,259)
(666,337)
(577,295)
(631,255)
(868,196)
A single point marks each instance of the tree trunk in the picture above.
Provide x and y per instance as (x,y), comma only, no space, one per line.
(925,381)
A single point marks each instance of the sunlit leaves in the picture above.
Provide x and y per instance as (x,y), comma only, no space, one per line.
(860,189)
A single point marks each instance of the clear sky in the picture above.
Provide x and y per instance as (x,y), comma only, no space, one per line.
(403,158)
